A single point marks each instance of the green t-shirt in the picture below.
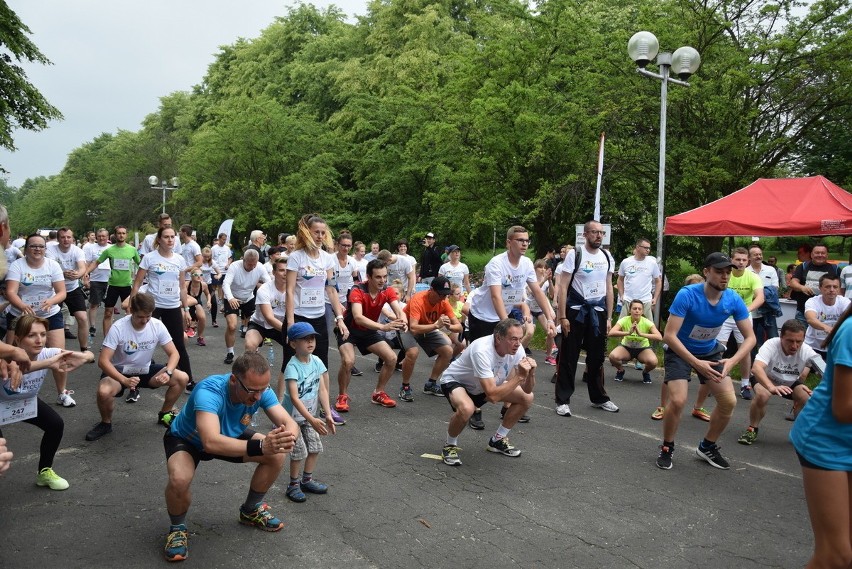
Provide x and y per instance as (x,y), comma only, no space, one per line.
(123,262)
(633,340)
(745,285)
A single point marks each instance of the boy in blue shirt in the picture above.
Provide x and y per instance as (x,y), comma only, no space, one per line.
(307,391)
(695,318)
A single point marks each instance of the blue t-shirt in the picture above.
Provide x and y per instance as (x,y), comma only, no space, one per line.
(307,376)
(816,434)
(701,320)
(211,395)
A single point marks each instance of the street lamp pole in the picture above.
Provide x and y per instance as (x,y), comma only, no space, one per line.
(642,48)
(171,185)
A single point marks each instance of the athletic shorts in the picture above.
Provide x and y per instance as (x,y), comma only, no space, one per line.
(308,443)
(479,399)
(75,301)
(361,339)
(477,328)
(114,293)
(789,396)
(54,322)
(97,293)
(634,352)
(144,380)
(431,341)
(729,326)
(677,368)
(270,333)
(244,310)
(173,444)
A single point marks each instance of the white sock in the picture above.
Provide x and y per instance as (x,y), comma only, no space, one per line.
(454,441)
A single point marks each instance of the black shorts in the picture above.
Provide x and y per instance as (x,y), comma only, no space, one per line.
(789,396)
(479,399)
(808,464)
(55,322)
(361,339)
(114,293)
(677,368)
(244,310)
(144,380)
(97,292)
(216,281)
(173,444)
(478,328)
(75,301)
(270,333)
(634,352)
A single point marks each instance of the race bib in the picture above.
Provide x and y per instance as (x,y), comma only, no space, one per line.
(169,288)
(594,290)
(136,370)
(512,296)
(312,297)
(18,410)
(700,333)
(121,264)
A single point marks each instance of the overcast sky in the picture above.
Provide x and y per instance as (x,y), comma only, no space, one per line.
(113,60)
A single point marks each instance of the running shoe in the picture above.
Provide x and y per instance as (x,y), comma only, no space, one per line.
(658,413)
(335,417)
(190,385)
(550,360)
(314,486)
(132,395)
(165,419)
(664,460)
(47,477)
(242,331)
(563,410)
(475,422)
(381,398)
(342,403)
(98,431)
(215,324)
(65,398)
(745,392)
(294,492)
(190,332)
(176,543)
(200,341)
(406,393)
(69,335)
(619,375)
(450,454)
(433,388)
(712,455)
(523,419)
(748,437)
(701,413)
(261,518)
(503,446)
(646,377)
(229,358)
(356,372)
(378,366)
(607,406)
(92,330)
(639,365)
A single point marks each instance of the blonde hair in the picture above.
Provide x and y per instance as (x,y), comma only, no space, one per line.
(694,278)
(397,286)
(304,239)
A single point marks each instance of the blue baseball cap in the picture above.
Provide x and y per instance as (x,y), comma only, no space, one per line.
(300,330)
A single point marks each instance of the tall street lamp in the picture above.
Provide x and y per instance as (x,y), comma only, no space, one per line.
(172,184)
(642,48)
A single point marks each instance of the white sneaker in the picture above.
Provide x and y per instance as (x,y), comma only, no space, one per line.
(607,406)
(65,399)
(563,410)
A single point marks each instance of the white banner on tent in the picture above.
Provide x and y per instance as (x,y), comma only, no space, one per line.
(225,228)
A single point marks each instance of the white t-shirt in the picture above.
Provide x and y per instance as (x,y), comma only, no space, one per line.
(311,277)
(30,382)
(454,274)
(512,280)
(92,251)
(846,280)
(221,254)
(189,250)
(400,270)
(344,276)
(19,243)
(13,254)
(268,294)
(825,314)
(36,285)
(781,368)
(480,361)
(639,277)
(68,260)
(591,277)
(240,283)
(361,268)
(535,308)
(134,349)
(207,270)
(163,276)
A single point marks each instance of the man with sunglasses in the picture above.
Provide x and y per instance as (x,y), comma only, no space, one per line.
(215,424)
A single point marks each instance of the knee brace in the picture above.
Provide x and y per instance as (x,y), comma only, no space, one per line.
(725,403)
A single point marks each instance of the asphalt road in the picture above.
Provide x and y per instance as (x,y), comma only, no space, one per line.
(584,493)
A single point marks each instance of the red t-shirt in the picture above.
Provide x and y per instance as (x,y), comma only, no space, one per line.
(424,311)
(370,307)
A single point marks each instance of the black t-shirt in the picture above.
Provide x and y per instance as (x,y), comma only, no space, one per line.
(809,274)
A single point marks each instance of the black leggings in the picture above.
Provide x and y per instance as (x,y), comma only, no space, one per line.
(53,426)
(173,320)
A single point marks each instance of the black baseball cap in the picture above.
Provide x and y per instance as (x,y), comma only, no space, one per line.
(441,285)
(718,261)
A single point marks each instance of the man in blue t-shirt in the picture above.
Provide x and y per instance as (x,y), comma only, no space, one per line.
(215,423)
(695,318)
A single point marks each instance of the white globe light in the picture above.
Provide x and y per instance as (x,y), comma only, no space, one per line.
(153,180)
(642,48)
(173,181)
(685,62)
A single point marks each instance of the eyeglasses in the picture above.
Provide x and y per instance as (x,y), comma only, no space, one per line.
(596,232)
(36,247)
(196,274)
(250,391)
(646,247)
(522,241)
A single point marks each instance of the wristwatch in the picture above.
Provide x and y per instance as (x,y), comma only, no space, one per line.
(169,372)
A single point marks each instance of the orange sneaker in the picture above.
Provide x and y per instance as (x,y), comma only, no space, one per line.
(342,403)
(381,398)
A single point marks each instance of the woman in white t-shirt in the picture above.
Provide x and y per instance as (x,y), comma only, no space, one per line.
(164,269)
(456,271)
(213,276)
(35,285)
(22,400)
(310,273)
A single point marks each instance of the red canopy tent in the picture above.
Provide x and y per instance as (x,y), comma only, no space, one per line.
(771,207)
